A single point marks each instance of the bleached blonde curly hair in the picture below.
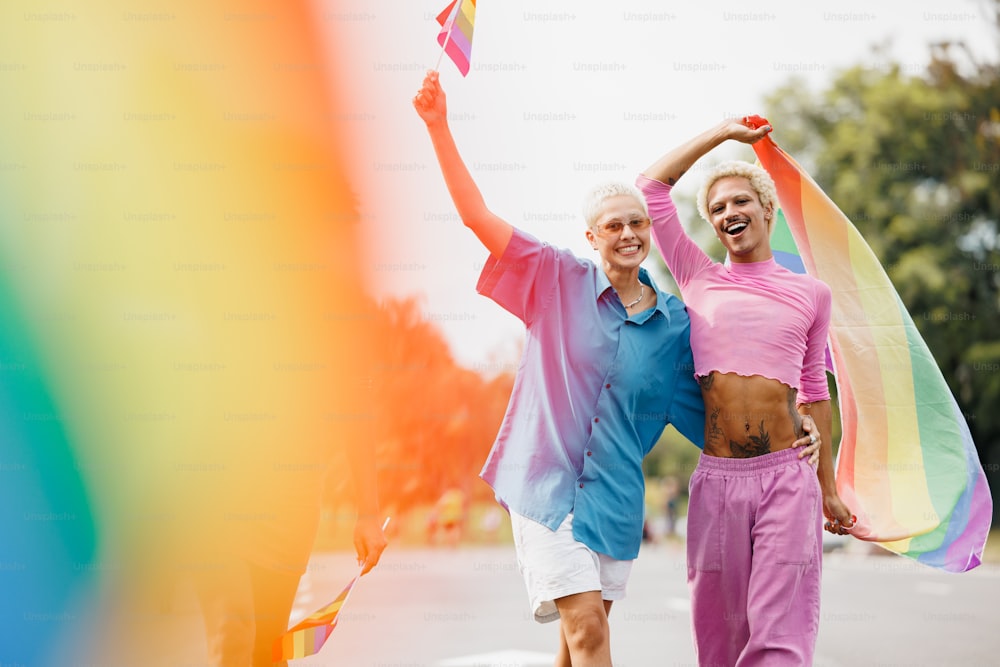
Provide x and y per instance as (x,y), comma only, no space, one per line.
(596,196)
(760,181)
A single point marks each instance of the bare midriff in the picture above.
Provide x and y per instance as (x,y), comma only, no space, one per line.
(748,416)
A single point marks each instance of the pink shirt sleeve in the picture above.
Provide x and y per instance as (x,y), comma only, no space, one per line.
(813,385)
(524,279)
(683,256)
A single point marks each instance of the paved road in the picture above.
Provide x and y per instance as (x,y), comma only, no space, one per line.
(443,608)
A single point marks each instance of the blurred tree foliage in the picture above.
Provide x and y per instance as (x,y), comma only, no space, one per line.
(431,421)
(914,161)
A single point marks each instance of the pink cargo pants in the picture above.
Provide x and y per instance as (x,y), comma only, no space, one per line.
(754,552)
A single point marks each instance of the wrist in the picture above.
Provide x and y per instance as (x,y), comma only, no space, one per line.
(438,123)
(715,136)
(828,487)
(726,130)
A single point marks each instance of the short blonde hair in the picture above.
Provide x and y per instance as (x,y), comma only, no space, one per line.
(592,202)
(760,181)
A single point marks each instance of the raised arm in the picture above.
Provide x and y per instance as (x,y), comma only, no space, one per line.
(493,231)
(669,168)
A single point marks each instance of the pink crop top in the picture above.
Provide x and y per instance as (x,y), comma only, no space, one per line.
(750,319)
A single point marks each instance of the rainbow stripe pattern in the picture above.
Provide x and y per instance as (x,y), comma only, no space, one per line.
(457,22)
(307,637)
(182,302)
(907,465)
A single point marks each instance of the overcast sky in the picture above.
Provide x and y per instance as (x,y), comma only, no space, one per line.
(563,95)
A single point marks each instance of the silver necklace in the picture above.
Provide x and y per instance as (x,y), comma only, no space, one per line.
(642,293)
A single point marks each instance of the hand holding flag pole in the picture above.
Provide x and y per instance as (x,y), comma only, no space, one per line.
(308,636)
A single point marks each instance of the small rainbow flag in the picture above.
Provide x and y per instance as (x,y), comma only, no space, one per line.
(307,637)
(457,22)
(907,466)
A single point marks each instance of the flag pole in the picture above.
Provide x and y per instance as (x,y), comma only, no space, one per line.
(444,46)
(437,65)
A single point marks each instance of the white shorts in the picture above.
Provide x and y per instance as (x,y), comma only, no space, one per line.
(555,565)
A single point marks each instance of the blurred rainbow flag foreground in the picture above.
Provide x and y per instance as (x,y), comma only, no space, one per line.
(907,466)
(183,305)
(307,637)
(460,14)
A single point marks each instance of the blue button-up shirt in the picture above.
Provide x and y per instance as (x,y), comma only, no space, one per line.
(592,395)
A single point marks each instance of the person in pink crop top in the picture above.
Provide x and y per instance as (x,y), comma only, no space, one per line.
(758,335)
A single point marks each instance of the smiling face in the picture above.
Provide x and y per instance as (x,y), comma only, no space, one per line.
(740,222)
(620,233)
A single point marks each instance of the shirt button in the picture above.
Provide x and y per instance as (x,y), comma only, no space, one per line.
(607,386)
(581,485)
(590,453)
(597,419)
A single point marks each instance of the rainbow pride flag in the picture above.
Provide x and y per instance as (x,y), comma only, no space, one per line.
(457,22)
(183,302)
(907,466)
(307,637)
